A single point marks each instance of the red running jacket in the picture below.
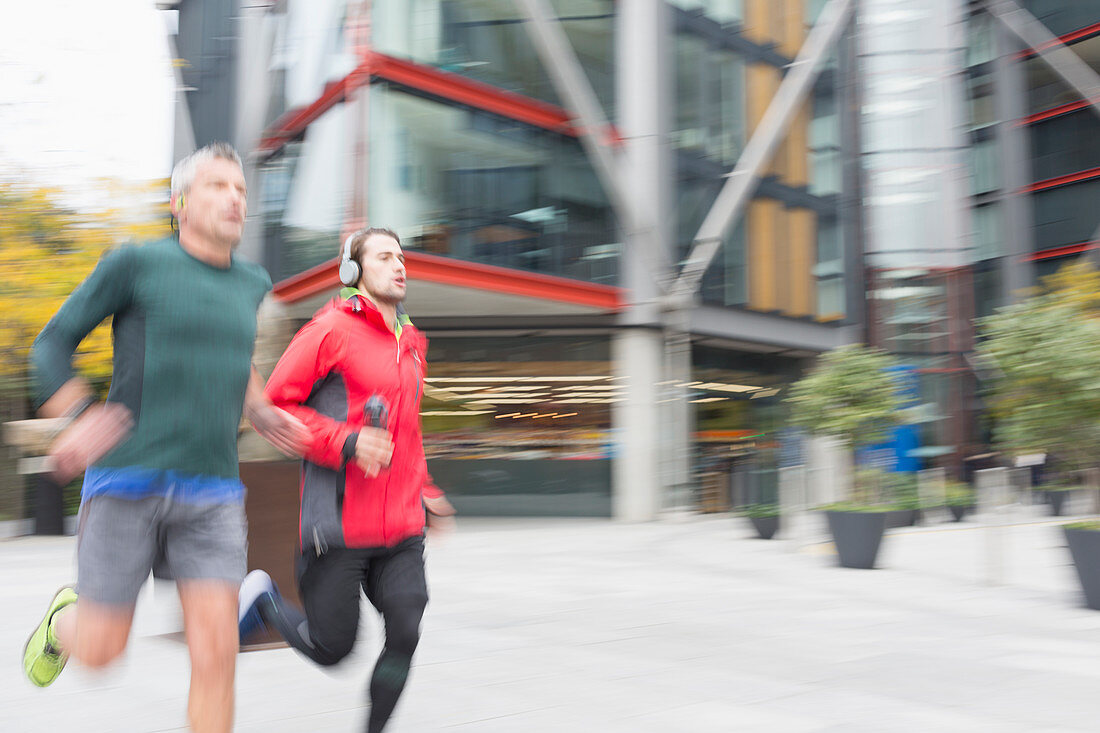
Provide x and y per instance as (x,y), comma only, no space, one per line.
(334,364)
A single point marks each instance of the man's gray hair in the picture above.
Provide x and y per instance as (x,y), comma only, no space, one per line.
(183,175)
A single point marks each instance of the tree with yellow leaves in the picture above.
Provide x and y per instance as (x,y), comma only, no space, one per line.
(1044,352)
(46,250)
(1076,284)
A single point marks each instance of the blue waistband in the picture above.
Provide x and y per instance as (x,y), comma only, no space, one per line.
(135,482)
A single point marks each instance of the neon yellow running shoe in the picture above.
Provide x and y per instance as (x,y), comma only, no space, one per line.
(42,659)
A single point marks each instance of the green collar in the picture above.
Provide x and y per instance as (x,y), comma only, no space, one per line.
(402,317)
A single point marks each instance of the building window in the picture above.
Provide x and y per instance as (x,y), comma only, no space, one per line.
(303,195)
(829,270)
(987,231)
(720,11)
(486,41)
(1046,88)
(464,183)
(1058,219)
(824,139)
(1064,145)
(710,100)
(981,47)
(1062,17)
(984,167)
(521,426)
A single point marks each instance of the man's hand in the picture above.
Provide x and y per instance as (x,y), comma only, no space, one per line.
(280,428)
(373,450)
(90,437)
(441,514)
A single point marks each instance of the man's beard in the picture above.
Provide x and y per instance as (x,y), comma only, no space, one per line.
(232,240)
(389,299)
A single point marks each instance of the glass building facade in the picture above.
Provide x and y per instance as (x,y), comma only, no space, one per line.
(1026,105)
(916,207)
(447,128)
(469,183)
(1064,166)
(936,169)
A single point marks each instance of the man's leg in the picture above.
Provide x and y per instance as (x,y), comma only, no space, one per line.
(204,551)
(210,624)
(116,545)
(94,634)
(329,587)
(396,586)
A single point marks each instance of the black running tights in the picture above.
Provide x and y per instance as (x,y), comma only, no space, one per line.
(393,579)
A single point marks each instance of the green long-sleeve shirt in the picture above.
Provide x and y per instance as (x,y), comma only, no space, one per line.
(183,337)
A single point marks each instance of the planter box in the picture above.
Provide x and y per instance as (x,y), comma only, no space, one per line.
(1057,501)
(766,527)
(901,518)
(1084,546)
(958,511)
(857,536)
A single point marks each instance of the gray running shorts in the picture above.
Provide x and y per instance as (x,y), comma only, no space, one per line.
(120,540)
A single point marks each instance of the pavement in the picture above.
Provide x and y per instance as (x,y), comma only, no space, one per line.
(688,623)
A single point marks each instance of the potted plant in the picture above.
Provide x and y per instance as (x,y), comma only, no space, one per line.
(764,518)
(852,395)
(959,498)
(1055,495)
(1083,539)
(1042,353)
(902,495)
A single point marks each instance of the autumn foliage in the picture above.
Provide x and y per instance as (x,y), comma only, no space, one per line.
(46,249)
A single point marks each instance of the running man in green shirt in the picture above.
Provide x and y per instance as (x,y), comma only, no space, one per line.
(161,487)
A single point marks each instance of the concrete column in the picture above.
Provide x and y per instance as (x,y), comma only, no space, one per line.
(956,178)
(647,171)
(653,436)
(636,490)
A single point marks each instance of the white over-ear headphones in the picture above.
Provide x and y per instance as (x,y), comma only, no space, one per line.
(349,268)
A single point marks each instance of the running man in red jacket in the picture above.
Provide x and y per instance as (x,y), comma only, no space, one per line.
(354,375)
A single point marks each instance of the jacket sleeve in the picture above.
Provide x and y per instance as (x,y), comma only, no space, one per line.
(108,290)
(429,490)
(313,353)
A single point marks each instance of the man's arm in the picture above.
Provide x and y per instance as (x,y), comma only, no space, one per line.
(439,509)
(278,427)
(440,512)
(93,429)
(69,397)
(313,353)
(103,293)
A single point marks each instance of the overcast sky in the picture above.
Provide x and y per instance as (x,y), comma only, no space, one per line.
(86,91)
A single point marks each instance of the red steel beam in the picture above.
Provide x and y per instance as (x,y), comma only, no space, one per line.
(458,88)
(448,271)
(1063,180)
(1071,249)
(1077,35)
(1062,109)
(443,84)
(294,122)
